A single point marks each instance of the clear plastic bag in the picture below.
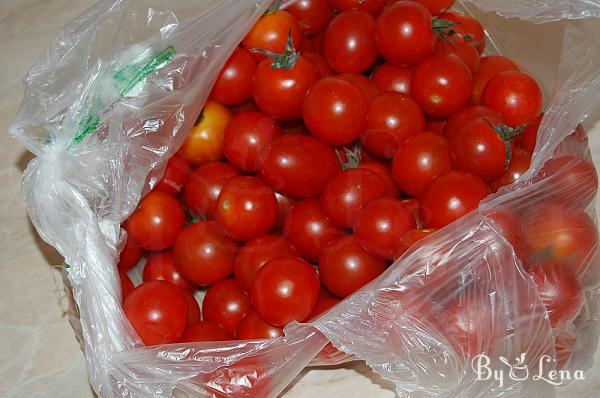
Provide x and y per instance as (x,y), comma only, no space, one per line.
(113,97)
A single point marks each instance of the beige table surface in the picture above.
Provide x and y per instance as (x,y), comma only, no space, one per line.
(40,356)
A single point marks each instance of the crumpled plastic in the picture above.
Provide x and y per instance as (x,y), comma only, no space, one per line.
(112,98)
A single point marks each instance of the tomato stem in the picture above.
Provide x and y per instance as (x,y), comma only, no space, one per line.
(284,61)
(273,7)
(506,134)
(352,156)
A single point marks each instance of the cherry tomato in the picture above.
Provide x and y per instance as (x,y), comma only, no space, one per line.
(529,136)
(234,83)
(515,95)
(335,111)
(385,173)
(420,159)
(318,62)
(346,193)
(285,204)
(436,6)
(313,15)
(271,33)
(441,85)
(409,239)
(370,6)
(246,135)
(255,254)
(574,181)
(349,44)
(161,267)
(157,311)
(126,284)
(391,78)
(464,116)
(345,267)
(490,66)
(519,164)
(175,177)
(451,196)
(246,208)
(435,126)
(204,142)
(226,304)
(559,291)
(412,204)
(285,289)
(363,83)
(279,91)
(462,49)
(392,118)
(323,305)
(203,254)
(509,226)
(205,331)
(130,255)
(466,27)
(483,148)
(156,222)
(569,236)
(468,324)
(403,33)
(205,185)
(379,225)
(307,228)
(252,327)
(193,315)
(298,165)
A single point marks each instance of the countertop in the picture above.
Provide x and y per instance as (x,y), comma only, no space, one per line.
(40,355)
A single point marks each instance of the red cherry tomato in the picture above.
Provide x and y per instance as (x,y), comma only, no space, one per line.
(370,6)
(130,255)
(246,135)
(569,236)
(412,204)
(271,33)
(156,222)
(363,83)
(451,196)
(345,267)
(161,267)
(391,78)
(436,6)
(468,324)
(385,173)
(346,193)
(379,225)
(126,284)
(205,331)
(157,311)
(420,159)
(234,83)
(203,254)
(462,49)
(192,306)
(175,177)
(441,85)
(409,239)
(392,118)
(490,66)
(480,147)
(298,165)
(349,44)
(285,204)
(464,116)
(255,254)
(252,327)
(286,289)
(519,164)
(307,228)
(335,111)
(559,291)
(323,305)
(509,226)
(515,95)
(205,185)
(435,126)
(279,92)
(466,27)
(246,208)
(404,33)
(313,15)
(225,304)
(318,62)
(529,137)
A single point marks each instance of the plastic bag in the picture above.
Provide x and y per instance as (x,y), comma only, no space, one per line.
(113,97)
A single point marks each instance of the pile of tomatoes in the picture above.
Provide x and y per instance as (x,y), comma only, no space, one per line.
(338,134)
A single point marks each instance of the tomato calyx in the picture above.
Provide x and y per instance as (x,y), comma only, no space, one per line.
(193,218)
(273,7)
(350,158)
(284,61)
(443,28)
(506,134)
